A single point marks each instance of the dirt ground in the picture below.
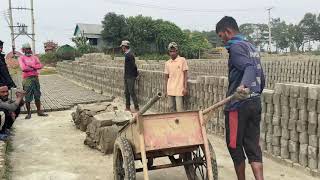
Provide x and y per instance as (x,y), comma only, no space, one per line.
(52,149)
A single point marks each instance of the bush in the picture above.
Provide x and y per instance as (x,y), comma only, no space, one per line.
(66,52)
(49,58)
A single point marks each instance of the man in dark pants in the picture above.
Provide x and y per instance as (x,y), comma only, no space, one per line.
(5,77)
(10,109)
(130,76)
(243,114)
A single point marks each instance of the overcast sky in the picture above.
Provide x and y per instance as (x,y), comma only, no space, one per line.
(56,19)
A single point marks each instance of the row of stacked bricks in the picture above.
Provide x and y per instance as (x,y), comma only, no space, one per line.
(302,71)
(148,85)
(65,69)
(278,70)
(204,92)
(207,67)
(289,127)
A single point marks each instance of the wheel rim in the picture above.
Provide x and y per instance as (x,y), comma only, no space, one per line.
(200,164)
(120,166)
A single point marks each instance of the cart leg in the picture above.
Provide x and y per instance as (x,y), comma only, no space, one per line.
(143,149)
(206,146)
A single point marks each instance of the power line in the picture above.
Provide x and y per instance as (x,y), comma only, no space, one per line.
(151,6)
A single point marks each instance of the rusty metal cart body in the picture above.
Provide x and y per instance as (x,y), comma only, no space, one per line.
(181,134)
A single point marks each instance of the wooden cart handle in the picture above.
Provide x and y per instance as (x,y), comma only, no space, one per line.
(217,105)
(146,107)
(214,107)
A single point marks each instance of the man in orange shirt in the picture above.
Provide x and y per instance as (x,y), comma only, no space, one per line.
(176,77)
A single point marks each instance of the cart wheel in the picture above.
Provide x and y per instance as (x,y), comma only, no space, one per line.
(123,160)
(175,160)
(150,162)
(198,170)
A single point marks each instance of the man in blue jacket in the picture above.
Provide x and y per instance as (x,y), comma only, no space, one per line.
(243,114)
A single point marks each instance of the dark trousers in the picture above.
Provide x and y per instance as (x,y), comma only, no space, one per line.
(129,84)
(8,119)
(243,132)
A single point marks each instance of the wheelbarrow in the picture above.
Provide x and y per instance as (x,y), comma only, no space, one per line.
(180,136)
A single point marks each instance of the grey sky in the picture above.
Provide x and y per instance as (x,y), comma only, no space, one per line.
(56,19)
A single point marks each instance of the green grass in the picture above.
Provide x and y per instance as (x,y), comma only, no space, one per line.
(46,71)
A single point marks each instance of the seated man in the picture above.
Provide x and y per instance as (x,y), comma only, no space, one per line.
(10,110)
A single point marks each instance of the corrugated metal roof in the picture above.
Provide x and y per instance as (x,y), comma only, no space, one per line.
(89,28)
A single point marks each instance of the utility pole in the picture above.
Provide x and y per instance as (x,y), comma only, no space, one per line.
(21,28)
(269,25)
(11,28)
(33,31)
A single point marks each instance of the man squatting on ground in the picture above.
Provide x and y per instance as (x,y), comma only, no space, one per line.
(130,76)
(30,65)
(176,78)
(9,110)
(243,115)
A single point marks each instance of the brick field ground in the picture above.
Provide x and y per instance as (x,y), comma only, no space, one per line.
(46,148)
(60,94)
(52,149)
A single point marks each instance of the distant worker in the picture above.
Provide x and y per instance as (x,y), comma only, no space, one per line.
(243,115)
(130,76)
(5,77)
(30,66)
(176,78)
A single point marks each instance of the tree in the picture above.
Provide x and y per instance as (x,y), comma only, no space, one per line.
(317,32)
(149,36)
(115,29)
(296,37)
(141,33)
(247,30)
(310,26)
(166,32)
(280,33)
(213,38)
(255,33)
(197,43)
(82,44)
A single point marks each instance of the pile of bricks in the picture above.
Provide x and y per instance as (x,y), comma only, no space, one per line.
(101,122)
(289,128)
(204,92)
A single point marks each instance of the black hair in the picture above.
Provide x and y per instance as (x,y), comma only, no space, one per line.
(227,22)
(1,43)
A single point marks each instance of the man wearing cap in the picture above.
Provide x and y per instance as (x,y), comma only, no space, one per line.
(130,75)
(9,109)
(176,77)
(243,114)
(30,65)
(5,77)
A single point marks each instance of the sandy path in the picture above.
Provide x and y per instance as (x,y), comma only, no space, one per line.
(52,149)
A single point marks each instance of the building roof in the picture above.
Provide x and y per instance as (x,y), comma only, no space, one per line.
(93,29)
